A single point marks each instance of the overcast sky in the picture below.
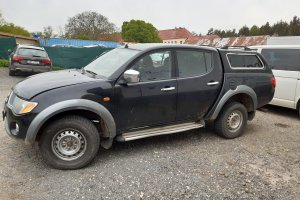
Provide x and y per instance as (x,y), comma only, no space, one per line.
(195,15)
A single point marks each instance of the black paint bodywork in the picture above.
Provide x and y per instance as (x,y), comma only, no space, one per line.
(144,104)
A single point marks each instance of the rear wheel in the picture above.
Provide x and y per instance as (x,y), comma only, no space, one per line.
(232,120)
(70,142)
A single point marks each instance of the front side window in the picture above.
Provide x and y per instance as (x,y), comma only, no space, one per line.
(154,66)
(244,61)
(193,63)
(283,59)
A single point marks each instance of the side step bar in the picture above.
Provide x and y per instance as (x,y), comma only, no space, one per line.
(164,130)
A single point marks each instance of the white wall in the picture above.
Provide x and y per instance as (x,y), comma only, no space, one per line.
(285,40)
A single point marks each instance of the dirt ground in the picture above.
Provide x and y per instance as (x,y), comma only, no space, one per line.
(262,164)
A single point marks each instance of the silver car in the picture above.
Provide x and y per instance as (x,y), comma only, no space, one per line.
(29,59)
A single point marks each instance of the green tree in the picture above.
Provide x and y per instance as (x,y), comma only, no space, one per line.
(2,21)
(13,29)
(88,25)
(266,29)
(139,31)
(254,31)
(294,28)
(231,33)
(244,31)
(280,29)
(210,31)
(48,32)
(222,33)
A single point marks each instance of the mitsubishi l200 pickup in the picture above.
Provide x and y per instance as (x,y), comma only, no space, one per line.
(137,91)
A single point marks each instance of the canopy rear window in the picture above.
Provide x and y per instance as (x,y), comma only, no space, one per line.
(244,61)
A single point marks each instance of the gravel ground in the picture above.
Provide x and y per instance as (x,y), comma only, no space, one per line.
(262,164)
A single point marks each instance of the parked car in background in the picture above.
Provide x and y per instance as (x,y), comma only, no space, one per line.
(285,63)
(29,59)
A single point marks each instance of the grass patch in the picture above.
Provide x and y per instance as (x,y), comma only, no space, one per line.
(56,68)
(3,63)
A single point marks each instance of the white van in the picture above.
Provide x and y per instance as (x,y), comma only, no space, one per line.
(285,63)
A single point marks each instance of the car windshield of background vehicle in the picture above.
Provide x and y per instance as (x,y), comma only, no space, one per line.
(111,61)
(283,59)
(32,52)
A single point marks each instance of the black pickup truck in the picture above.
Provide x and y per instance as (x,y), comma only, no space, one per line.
(137,91)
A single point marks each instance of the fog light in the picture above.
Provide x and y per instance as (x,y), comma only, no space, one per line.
(14,129)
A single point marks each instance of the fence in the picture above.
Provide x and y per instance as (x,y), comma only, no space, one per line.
(68,57)
(77,43)
(6,44)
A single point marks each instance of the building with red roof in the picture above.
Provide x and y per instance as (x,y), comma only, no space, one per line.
(175,36)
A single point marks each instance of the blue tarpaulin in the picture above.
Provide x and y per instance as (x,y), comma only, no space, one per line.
(77,43)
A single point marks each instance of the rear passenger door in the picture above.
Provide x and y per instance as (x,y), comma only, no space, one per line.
(199,82)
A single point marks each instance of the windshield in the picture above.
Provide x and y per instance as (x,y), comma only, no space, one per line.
(32,52)
(109,62)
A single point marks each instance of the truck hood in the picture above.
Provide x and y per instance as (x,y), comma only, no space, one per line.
(39,83)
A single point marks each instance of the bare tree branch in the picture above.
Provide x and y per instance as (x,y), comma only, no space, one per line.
(88,25)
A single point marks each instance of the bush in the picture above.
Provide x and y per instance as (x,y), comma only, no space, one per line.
(3,63)
(56,68)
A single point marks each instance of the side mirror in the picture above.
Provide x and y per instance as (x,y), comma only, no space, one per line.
(9,50)
(131,76)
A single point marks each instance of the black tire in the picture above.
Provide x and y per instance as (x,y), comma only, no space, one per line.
(227,124)
(67,134)
(11,73)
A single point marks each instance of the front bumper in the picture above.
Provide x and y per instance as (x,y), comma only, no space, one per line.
(30,68)
(16,126)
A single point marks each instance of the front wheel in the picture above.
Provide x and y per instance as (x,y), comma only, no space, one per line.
(70,142)
(232,120)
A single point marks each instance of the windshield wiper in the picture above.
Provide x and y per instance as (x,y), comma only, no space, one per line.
(89,71)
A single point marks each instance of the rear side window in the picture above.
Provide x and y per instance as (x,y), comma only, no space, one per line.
(193,63)
(283,59)
(244,61)
(31,52)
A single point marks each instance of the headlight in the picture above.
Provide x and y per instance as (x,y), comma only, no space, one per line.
(21,106)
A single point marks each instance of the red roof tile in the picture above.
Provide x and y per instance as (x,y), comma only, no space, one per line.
(216,41)
(177,33)
(205,40)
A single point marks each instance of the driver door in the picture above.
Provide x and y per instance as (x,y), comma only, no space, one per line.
(152,101)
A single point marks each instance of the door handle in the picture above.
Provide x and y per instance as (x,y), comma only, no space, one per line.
(213,83)
(167,89)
